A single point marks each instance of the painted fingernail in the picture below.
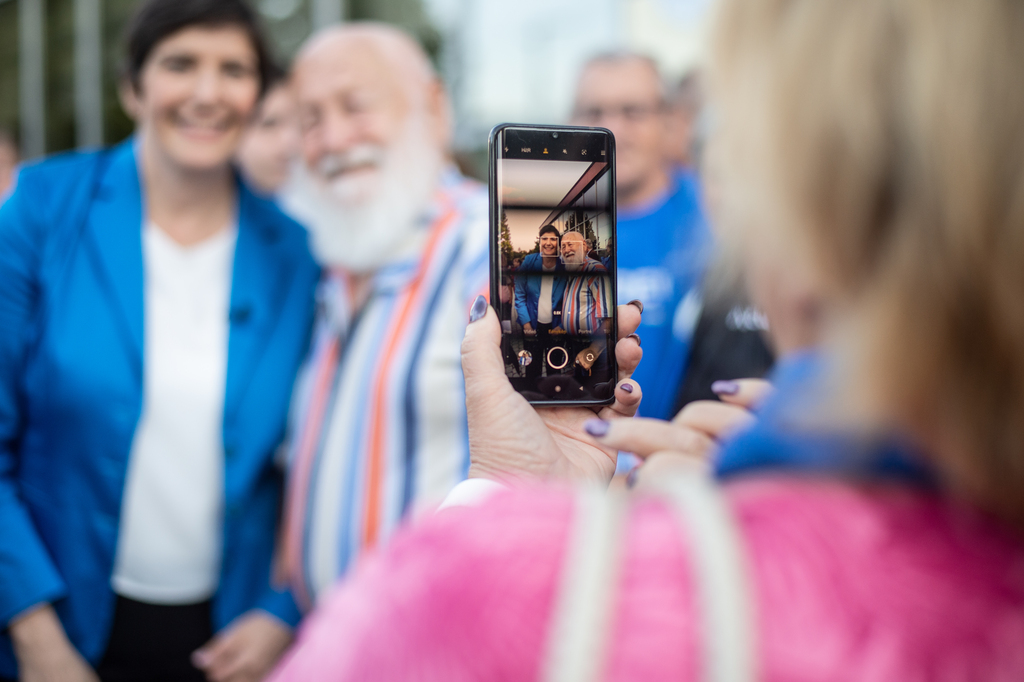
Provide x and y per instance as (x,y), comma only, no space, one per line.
(639,305)
(479,309)
(598,428)
(627,387)
(635,337)
(725,387)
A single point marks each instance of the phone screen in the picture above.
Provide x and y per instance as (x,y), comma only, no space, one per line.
(553,260)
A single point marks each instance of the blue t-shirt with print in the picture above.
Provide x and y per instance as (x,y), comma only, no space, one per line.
(663,248)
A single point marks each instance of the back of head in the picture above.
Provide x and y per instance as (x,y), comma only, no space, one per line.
(886,155)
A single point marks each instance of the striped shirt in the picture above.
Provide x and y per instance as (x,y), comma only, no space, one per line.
(586,302)
(378,424)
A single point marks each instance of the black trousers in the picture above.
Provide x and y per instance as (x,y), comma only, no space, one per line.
(538,346)
(154,642)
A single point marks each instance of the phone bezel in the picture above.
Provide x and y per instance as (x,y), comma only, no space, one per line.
(494,230)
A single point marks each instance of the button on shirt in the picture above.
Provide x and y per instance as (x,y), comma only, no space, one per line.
(169,546)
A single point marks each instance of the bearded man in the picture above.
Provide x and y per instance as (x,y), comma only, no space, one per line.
(378,414)
(586,306)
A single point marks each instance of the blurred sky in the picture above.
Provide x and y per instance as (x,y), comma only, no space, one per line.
(517,61)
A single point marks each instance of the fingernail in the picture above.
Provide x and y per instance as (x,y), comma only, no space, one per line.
(725,387)
(631,476)
(479,309)
(635,337)
(598,428)
(639,304)
(627,387)
(198,659)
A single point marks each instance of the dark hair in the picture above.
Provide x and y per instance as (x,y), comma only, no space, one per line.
(276,75)
(548,229)
(155,20)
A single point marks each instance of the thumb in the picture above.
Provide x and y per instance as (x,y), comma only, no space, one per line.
(481,347)
(208,654)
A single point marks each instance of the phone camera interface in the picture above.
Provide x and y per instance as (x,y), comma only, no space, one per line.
(556,251)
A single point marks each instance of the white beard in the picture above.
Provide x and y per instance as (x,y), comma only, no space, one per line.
(574,263)
(365,222)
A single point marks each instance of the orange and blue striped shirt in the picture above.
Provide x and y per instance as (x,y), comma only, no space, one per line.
(378,425)
(586,302)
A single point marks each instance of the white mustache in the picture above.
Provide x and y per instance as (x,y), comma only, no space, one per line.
(331,165)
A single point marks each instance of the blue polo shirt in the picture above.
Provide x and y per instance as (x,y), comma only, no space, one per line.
(663,248)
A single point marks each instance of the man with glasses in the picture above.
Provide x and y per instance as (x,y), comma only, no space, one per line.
(662,239)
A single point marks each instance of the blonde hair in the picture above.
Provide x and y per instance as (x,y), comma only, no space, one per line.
(883,142)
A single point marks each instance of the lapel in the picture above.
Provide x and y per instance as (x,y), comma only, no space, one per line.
(258,289)
(114,226)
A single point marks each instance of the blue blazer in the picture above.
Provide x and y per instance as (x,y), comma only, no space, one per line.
(71,359)
(528,280)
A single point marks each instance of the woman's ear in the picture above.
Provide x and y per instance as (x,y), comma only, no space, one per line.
(128,94)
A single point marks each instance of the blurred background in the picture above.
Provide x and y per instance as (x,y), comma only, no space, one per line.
(502,60)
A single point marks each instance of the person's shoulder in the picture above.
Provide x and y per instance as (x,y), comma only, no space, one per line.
(531,261)
(49,195)
(467,198)
(489,574)
(57,173)
(851,557)
(280,228)
(686,191)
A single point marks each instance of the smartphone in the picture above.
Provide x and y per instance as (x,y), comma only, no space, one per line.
(552,221)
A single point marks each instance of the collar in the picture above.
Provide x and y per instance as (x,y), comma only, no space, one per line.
(334,294)
(784,439)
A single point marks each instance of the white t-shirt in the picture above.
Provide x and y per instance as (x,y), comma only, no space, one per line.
(169,545)
(544,307)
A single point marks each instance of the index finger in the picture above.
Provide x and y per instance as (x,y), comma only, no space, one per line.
(644,437)
(716,419)
(746,393)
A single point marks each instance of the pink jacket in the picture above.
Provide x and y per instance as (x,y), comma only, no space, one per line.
(850,583)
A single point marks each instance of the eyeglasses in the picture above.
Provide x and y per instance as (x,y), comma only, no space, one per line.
(633,113)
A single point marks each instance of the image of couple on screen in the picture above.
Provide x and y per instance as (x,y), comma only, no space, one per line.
(563,306)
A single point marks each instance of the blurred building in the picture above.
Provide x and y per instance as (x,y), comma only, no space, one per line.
(60,60)
(518,61)
(503,61)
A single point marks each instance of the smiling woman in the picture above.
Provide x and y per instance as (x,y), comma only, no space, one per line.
(138,493)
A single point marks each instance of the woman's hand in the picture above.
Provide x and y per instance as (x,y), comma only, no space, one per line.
(694,435)
(43,651)
(509,439)
(244,651)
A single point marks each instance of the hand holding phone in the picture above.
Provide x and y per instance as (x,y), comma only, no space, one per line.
(553,235)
